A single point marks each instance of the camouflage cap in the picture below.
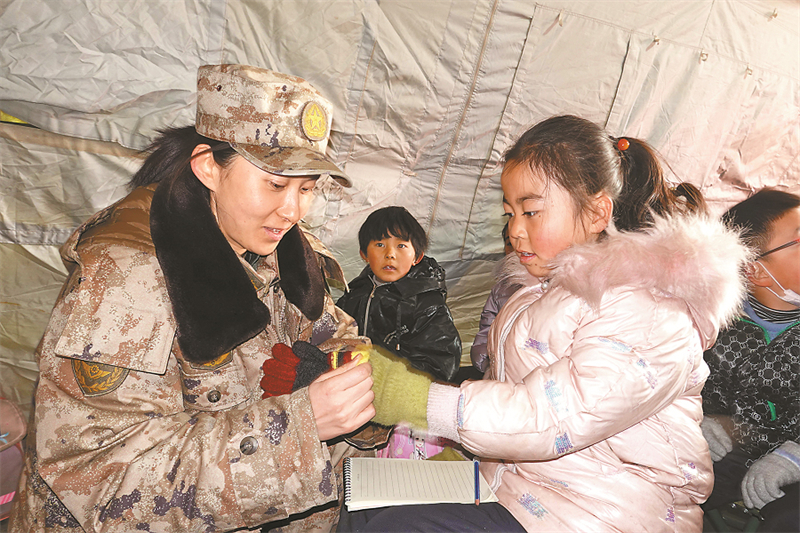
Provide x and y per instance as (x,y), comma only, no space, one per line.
(278,122)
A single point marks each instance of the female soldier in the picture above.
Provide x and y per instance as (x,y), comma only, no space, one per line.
(149,413)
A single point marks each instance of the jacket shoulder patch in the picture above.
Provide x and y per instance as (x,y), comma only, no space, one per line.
(96,379)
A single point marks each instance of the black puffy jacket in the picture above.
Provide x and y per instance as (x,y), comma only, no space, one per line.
(408,317)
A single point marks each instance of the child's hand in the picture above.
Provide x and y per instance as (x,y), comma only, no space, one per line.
(719,443)
(764,479)
(401,395)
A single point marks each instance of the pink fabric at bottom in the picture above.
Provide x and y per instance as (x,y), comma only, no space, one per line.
(406,443)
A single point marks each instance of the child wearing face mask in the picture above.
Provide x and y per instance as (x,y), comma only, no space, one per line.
(589,416)
(752,397)
(398,301)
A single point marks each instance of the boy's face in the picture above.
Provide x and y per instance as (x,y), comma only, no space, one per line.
(390,258)
(783,264)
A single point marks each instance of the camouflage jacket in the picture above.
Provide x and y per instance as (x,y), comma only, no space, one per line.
(130,436)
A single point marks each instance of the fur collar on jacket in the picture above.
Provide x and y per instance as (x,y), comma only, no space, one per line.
(694,258)
(214,302)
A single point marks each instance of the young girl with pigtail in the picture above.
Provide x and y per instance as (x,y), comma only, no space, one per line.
(589,416)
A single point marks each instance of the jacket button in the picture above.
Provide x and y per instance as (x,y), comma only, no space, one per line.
(248,446)
(214,396)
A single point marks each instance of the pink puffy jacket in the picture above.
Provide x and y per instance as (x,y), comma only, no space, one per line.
(590,420)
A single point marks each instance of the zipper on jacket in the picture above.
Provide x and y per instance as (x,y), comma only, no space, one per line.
(500,356)
(369,301)
(396,334)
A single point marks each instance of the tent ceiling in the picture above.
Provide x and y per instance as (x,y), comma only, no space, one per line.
(428,95)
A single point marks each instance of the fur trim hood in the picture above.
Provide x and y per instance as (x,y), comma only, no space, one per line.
(694,258)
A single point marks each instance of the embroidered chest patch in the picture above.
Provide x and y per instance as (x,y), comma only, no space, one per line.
(96,379)
(222,360)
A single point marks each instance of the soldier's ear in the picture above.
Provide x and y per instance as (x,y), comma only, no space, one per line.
(205,167)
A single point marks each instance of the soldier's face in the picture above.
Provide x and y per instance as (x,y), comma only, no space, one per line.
(255,208)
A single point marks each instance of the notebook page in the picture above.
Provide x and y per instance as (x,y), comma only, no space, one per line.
(373,482)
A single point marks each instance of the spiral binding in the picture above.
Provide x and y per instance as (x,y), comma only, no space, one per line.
(346,469)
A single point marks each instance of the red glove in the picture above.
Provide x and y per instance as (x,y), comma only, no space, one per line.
(296,367)
(279,372)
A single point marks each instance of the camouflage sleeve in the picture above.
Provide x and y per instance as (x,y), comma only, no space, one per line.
(116,442)
(128,460)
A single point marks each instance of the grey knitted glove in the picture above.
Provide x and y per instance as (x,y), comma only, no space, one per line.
(719,443)
(763,481)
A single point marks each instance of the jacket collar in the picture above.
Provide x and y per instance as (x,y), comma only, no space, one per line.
(427,275)
(214,301)
(695,259)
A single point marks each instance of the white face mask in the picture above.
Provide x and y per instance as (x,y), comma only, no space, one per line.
(789,296)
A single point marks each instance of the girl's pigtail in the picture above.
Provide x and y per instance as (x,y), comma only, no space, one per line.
(580,157)
(645,192)
(693,200)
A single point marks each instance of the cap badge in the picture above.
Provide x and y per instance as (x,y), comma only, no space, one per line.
(314,122)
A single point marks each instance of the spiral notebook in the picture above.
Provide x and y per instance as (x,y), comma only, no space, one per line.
(382,482)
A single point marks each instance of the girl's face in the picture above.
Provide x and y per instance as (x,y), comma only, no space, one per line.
(542,218)
(254,208)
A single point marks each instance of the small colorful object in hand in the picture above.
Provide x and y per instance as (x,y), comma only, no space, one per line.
(339,358)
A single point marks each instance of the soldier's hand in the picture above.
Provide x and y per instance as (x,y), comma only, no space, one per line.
(342,400)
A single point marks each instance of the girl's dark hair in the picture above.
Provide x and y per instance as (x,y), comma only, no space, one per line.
(584,160)
(393,221)
(171,153)
(755,217)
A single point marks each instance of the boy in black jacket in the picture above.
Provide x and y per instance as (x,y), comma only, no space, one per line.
(398,300)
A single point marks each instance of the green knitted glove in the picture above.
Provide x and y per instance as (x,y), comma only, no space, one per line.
(401,392)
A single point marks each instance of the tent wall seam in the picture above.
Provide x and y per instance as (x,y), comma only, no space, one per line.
(494,140)
(462,118)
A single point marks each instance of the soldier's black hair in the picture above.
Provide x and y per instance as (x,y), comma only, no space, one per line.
(755,217)
(171,152)
(393,221)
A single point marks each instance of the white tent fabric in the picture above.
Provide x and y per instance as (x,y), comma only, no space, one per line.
(427,95)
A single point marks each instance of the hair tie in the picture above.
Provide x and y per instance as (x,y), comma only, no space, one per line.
(623,144)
